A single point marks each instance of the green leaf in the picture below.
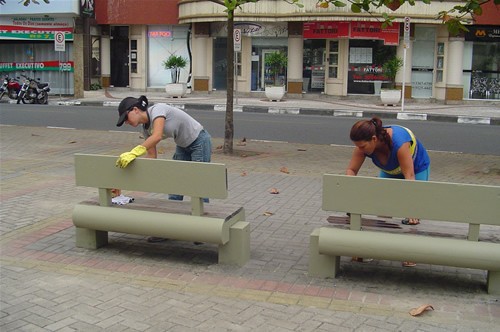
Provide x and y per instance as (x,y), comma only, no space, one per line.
(355,8)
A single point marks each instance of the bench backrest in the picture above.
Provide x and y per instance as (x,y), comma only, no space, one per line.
(195,179)
(468,203)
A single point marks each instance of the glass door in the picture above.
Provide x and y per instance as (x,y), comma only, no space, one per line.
(423,62)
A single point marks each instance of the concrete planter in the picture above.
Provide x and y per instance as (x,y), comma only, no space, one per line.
(390,97)
(176,90)
(275,93)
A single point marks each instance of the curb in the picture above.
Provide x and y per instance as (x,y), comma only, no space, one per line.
(310,111)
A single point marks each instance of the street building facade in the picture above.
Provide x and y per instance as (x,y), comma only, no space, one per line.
(330,51)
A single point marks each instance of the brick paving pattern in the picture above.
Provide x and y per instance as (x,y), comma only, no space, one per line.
(47,284)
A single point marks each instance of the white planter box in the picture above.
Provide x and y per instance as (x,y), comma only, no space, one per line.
(275,93)
(390,97)
(176,90)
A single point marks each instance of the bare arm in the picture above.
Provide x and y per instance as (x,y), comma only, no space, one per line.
(406,161)
(357,160)
(151,142)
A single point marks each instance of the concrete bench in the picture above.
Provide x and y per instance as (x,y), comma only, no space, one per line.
(220,224)
(474,205)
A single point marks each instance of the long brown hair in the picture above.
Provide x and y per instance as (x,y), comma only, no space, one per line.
(364,130)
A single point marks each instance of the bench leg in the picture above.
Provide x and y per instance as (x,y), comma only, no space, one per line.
(90,239)
(493,282)
(321,265)
(237,249)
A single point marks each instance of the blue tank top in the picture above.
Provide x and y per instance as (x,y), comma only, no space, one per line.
(401,135)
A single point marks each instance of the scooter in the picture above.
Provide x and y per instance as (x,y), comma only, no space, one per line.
(10,87)
(33,92)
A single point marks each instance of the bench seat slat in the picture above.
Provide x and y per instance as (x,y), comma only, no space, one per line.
(169,225)
(405,247)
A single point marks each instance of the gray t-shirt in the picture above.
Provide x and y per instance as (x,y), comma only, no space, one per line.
(178,124)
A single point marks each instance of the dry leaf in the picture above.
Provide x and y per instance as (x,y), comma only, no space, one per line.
(72,142)
(274,191)
(284,170)
(421,309)
(301,150)
(267,213)
(244,173)
(219,147)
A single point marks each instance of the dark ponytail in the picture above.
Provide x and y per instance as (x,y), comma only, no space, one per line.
(364,130)
(142,103)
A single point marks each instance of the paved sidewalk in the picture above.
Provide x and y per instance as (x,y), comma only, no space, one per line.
(47,284)
(474,112)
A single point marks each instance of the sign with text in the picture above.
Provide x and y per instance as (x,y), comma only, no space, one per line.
(59,42)
(374,30)
(37,66)
(237,40)
(326,30)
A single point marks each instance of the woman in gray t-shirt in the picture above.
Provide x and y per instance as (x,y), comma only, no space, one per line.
(161,121)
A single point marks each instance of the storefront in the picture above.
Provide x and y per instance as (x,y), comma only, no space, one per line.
(28,48)
(481,66)
(356,50)
(265,38)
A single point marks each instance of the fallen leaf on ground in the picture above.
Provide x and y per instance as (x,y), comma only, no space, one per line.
(267,213)
(301,150)
(72,142)
(244,173)
(219,147)
(421,309)
(284,170)
(274,191)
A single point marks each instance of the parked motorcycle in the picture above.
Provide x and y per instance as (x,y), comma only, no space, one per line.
(33,91)
(10,87)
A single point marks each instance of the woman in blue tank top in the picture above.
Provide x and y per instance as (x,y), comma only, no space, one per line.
(393,149)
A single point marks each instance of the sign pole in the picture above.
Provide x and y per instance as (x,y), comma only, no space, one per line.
(406,45)
(60,46)
(237,48)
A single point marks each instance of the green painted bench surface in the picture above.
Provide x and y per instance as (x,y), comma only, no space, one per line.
(439,201)
(221,224)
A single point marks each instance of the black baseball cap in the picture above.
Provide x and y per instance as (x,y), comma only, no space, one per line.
(125,106)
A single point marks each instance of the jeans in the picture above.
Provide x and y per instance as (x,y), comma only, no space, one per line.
(200,150)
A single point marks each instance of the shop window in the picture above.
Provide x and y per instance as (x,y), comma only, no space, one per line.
(366,59)
(313,75)
(439,62)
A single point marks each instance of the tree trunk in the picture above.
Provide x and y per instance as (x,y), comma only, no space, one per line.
(229,126)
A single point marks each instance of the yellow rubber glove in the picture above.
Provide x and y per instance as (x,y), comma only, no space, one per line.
(126,157)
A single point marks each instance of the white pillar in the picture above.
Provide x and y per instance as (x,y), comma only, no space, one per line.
(295,57)
(454,69)
(454,75)
(105,60)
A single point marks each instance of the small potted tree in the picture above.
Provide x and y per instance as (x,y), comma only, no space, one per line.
(175,63)
(276,63)
(391,95)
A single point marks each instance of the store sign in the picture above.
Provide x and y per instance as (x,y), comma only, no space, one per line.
(326,30)
(275,29)
(483,33)
(355,30)
(35,28)
(37,66)
(374,30)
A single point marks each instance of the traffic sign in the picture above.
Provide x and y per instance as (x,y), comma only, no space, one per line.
(237,40)
(407,31)
(59,41)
